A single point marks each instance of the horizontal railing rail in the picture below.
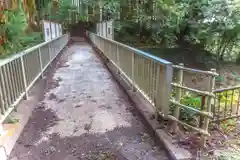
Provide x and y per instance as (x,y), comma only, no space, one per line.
(153,78)
(19,72)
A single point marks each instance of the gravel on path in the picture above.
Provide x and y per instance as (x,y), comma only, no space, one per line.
(84,115)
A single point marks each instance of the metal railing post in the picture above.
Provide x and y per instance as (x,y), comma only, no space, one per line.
(24,77)
(133,78)
(167,89)
(211,87)
(3,90)
(2,105)
(178,97)
(40,60)
(163,88)
(49,53)
(118,59)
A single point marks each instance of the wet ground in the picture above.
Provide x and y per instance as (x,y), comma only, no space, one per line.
(84,115)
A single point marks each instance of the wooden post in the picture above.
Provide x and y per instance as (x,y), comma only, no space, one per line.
(211,87)
(202,108)
(178,97)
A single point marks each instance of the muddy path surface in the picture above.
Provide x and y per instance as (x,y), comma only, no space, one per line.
(84,115)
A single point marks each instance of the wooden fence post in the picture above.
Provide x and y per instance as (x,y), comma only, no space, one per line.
(178,97)
(211,86)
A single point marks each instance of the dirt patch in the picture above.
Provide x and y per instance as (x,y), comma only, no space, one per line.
(52,96)
(61,100)
(87,127)
(78,106)
(219,139)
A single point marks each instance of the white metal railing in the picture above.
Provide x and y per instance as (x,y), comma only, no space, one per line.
(150,75)
(19,72)
(153,78)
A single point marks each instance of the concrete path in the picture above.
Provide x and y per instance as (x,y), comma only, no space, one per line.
(84,115)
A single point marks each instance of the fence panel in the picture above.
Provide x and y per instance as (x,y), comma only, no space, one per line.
(45,58)
(19,72)
(31,63)
(226,104)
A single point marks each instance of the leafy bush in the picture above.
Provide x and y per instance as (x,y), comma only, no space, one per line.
(227,98)
(190,100)
(31,39)
(17,38)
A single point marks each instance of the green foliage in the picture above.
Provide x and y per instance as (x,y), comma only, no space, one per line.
(11,120)
(63,10)
(16,26)
(192,101)
(31,39)
(67,13)
(42,4)
(228,125)
(17,38)
(219,78)
(226,98)
(213,25)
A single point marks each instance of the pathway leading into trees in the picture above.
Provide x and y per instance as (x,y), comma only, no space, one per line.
(84,115)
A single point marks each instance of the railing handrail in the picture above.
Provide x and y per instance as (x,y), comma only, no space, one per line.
(26,51)
(227,89)
(143,53)
(195,70)
(158,59)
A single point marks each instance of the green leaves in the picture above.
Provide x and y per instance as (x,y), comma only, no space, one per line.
(15,29)
(215,24)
